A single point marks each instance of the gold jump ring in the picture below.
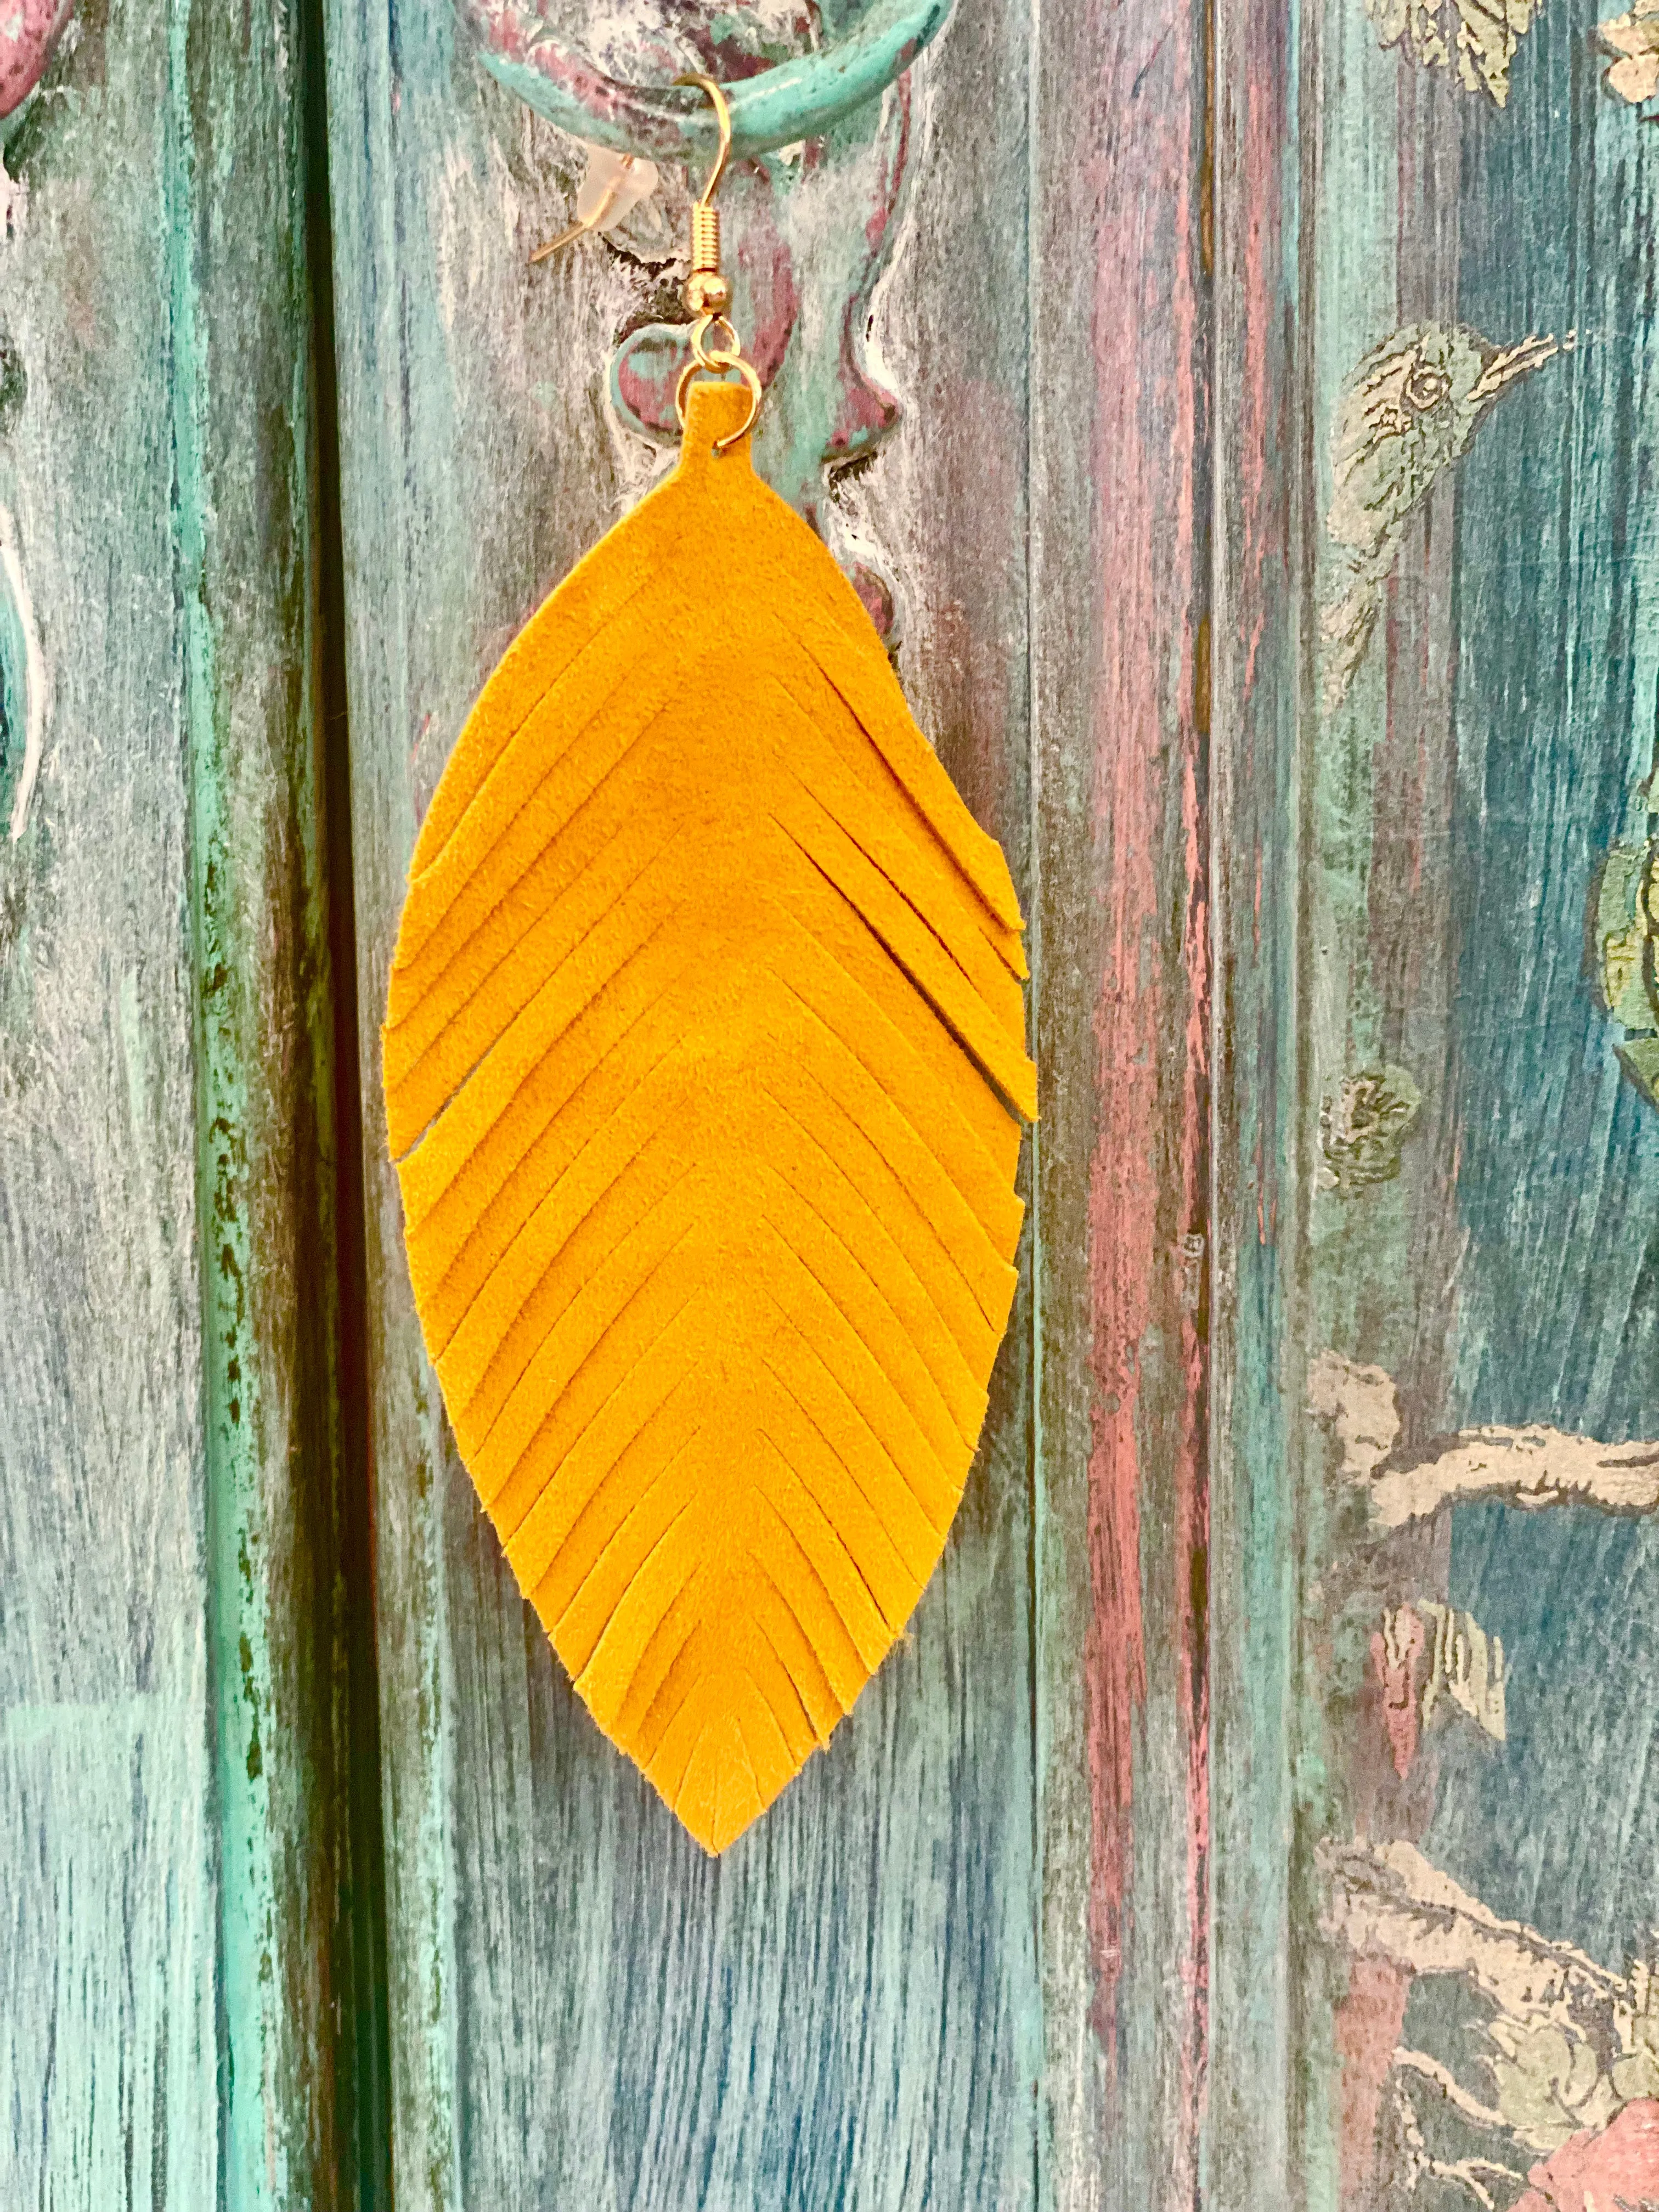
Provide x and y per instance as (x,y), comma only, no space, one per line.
(750,376)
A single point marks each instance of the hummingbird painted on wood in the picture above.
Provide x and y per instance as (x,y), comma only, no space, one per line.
(1407,412)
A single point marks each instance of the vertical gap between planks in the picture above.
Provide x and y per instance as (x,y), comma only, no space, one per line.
(1042,2183)
(1295,1341)
(362,2028)
(1202,966)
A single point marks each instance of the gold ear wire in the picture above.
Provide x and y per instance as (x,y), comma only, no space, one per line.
(708,290)
(580,229)
(723,119)
(626,165)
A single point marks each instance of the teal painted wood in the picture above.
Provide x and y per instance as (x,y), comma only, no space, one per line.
(1258,668)
(174,1755)
(584,2011)
(1425,1111)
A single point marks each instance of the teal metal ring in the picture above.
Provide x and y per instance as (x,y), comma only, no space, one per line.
(797,99)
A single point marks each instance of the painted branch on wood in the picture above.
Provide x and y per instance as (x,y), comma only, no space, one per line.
(1530,1467)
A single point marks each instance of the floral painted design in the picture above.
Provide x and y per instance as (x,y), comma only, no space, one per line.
(1614,2170)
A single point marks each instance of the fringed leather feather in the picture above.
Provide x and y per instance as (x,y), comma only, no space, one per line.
(704,1053)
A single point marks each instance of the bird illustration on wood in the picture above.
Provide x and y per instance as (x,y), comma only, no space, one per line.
(1407,412)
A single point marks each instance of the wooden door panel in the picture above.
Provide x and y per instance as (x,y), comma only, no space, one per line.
(1435,1887)
(176,1853)
(1238,421)
(1120,429)
(846,2008)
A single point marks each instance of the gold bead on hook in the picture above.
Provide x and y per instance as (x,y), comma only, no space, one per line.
(708,290)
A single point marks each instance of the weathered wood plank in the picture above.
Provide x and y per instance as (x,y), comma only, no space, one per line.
(1424,1108)
(173,1752)
(1120,439)
(843,2009)
(1262,450)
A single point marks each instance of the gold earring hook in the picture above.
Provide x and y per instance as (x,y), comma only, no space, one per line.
(708,291)
(723,119)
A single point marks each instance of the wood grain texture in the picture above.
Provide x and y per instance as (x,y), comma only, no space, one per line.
(173,1752)
(845,2009)
(1242,429)
(1403,880)
(1120,441)
(1259,670)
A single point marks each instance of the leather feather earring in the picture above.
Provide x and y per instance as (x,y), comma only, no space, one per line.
(705,1062)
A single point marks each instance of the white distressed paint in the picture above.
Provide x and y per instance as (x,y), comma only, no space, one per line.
(34,672)
(472,212)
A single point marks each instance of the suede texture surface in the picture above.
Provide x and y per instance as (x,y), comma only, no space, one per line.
(705,1062)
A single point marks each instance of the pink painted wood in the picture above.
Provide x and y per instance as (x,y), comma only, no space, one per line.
(29,32)
(1120,436)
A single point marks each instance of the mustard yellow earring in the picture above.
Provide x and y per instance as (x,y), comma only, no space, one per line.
(704,1058)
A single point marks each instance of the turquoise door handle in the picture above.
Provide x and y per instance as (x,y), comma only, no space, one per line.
(796,99)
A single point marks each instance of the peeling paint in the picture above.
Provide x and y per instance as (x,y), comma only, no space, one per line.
(1633,39)
(1464,1672)
(1568,2044)
(1361,1406)
(1363,1128)
(1621,927)
(1529,1467)
(1385,1900)
(1484,42)
(1465,1668)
